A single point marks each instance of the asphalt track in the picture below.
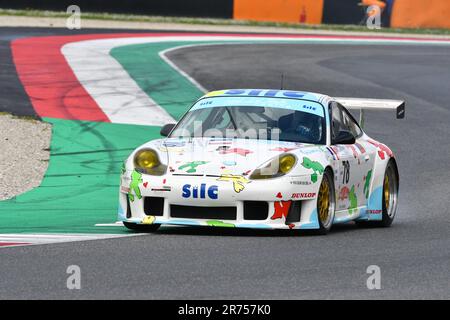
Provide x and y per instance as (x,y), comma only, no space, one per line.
(197,263)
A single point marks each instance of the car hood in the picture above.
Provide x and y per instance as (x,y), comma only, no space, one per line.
(210,156)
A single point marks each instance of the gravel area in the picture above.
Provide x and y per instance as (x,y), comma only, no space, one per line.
(24,154)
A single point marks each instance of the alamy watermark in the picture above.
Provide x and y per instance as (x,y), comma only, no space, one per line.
(74,279)
(74,20)
(374,280)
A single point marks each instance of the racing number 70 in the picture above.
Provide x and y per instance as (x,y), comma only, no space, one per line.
(346,173)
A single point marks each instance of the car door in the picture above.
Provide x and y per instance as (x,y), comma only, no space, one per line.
(364,152)
(348,176)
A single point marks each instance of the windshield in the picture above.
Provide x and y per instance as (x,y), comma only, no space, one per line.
(284,120)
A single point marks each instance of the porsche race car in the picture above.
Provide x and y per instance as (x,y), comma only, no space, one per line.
(268,159)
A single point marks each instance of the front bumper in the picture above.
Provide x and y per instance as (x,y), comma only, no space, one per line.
(226,201)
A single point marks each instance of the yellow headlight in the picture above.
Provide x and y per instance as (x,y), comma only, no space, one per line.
(287,162)
(277,167)
(147,161)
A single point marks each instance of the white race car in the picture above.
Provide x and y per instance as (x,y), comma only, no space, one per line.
(270,159)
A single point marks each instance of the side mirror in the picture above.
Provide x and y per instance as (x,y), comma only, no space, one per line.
(344,137)
(165,130)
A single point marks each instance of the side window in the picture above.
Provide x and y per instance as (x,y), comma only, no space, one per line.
(351,124)
(336,120)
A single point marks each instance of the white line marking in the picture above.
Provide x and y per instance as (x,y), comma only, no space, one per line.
(163,56)
(38,239)
(115,224)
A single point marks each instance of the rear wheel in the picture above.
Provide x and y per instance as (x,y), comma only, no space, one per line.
(141,227)
(326,203)
(390,198)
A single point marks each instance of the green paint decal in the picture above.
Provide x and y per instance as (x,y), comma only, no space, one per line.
(317,168)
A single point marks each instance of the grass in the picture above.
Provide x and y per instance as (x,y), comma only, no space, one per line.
(218,22)
(26,118)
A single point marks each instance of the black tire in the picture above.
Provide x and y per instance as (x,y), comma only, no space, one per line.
(389,212)
(326,223)
(141,227)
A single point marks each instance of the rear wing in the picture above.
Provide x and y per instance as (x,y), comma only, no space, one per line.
(373,104)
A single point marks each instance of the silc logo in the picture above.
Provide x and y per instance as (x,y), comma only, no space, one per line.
(200,192)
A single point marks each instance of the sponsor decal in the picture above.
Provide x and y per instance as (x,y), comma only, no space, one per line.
(173,144)
(218,141)
(310,150)
(301,183)
(374,211)
(239,182)
(202,192)
(265,93)
(303,195)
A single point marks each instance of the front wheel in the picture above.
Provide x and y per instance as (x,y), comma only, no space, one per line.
(326,203)
(141,227)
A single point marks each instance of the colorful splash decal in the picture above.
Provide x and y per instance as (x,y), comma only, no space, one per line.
(136,179)
(148,220)
(353,201)
(367,183)
(218,223)
(229,163)
(383,149)
(361,148)
(315,166)
(239,182)
(355,154)
(282,149)
(343,194)
(239,151)
(192,166)
(281,209)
